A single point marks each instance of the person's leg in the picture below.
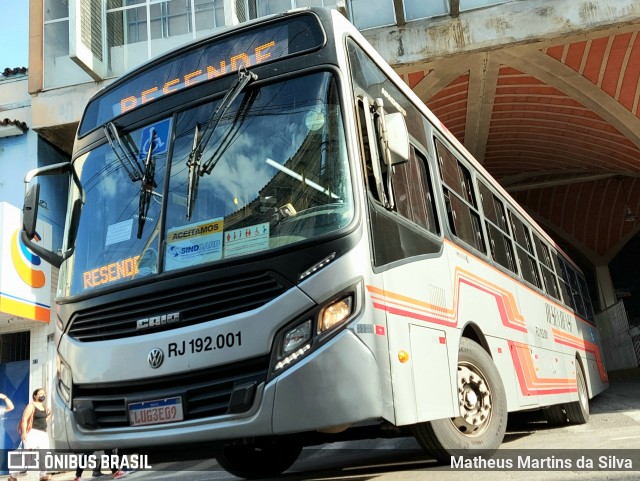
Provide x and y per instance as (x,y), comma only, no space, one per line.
(111,452)
(45,445)
(97,471)
(28,443)
(82,460)
(40,440)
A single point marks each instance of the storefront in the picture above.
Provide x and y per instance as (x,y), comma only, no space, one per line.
(26,339)
(27,284)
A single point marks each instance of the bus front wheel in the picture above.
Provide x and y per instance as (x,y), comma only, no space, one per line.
(482,404)
(252,461)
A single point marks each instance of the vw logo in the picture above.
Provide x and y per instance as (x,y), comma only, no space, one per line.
(155,357)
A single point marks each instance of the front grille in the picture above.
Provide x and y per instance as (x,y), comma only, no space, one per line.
(204,393)
(196,303)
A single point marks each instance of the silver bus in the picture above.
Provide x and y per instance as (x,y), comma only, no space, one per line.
(271,242)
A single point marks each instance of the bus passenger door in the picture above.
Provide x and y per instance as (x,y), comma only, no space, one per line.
(408,251)
(420,337)
(431,374)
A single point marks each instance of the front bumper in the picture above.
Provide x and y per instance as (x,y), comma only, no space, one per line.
(337,384)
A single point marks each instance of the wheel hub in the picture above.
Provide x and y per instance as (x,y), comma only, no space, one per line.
(474,399)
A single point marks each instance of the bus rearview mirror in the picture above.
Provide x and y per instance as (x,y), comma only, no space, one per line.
(30,210)
(397,138)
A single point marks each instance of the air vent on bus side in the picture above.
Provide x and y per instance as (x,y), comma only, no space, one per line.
(195,303)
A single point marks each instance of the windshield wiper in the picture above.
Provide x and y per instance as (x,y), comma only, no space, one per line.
(193,162)
(231,133)
(123,152)
(147,185)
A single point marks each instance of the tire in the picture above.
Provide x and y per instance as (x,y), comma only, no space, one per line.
(481,397)
(555,415)
(578,411)
(258,461)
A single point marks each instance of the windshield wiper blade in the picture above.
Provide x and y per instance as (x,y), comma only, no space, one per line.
(201,139)
(244,77)
(147,185)
(123,152)
(232,133)
(193,163)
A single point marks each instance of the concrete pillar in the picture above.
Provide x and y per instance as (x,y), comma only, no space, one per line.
(606,291)
(36,29)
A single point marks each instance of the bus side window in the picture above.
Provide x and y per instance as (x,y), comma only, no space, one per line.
(586,298)
(413,191)
(457,185)
(562,280)
(526,257)
(550,282)
(575,290)
(500,243)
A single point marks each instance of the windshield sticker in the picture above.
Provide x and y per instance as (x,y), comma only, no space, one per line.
(115,271)
(148,263)
(194,244)
(119,232)
(160,139)
(246,240)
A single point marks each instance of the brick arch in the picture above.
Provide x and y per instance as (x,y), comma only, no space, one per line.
(557,123)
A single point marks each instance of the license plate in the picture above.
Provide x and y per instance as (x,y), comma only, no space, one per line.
(156,412)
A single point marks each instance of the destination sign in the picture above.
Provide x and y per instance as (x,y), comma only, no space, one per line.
(245,58)
(122,269)
(202,62)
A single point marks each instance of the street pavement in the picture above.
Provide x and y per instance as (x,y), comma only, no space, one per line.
(612,435)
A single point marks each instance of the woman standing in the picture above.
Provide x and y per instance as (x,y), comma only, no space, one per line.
(33,427)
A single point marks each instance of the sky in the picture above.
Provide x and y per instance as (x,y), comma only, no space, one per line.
(14,33)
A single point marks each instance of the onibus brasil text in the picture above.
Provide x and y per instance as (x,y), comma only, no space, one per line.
(70,461)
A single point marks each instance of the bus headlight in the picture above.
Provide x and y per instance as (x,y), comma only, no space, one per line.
(63,379)
(335,313)
(295,343)
(316,327)
(296,337)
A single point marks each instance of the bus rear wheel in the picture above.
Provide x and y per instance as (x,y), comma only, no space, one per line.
(253,461)
(576,412)
(483,409)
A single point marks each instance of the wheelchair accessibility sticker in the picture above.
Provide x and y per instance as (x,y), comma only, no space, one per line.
(160,133)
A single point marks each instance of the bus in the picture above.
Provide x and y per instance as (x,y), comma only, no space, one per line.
(271,242)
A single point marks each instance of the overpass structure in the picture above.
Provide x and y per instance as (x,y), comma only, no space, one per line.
(546,94)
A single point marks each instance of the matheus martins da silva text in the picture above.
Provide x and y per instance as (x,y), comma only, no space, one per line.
(608,462)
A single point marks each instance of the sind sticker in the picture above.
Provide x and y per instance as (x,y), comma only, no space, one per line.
(194,244)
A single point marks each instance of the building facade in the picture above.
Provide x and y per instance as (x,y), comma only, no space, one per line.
(27,285)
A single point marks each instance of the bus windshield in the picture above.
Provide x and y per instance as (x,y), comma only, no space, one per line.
(272,172)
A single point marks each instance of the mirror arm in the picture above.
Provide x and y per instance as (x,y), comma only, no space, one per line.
(54,169)
(51,257)
(386,153)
